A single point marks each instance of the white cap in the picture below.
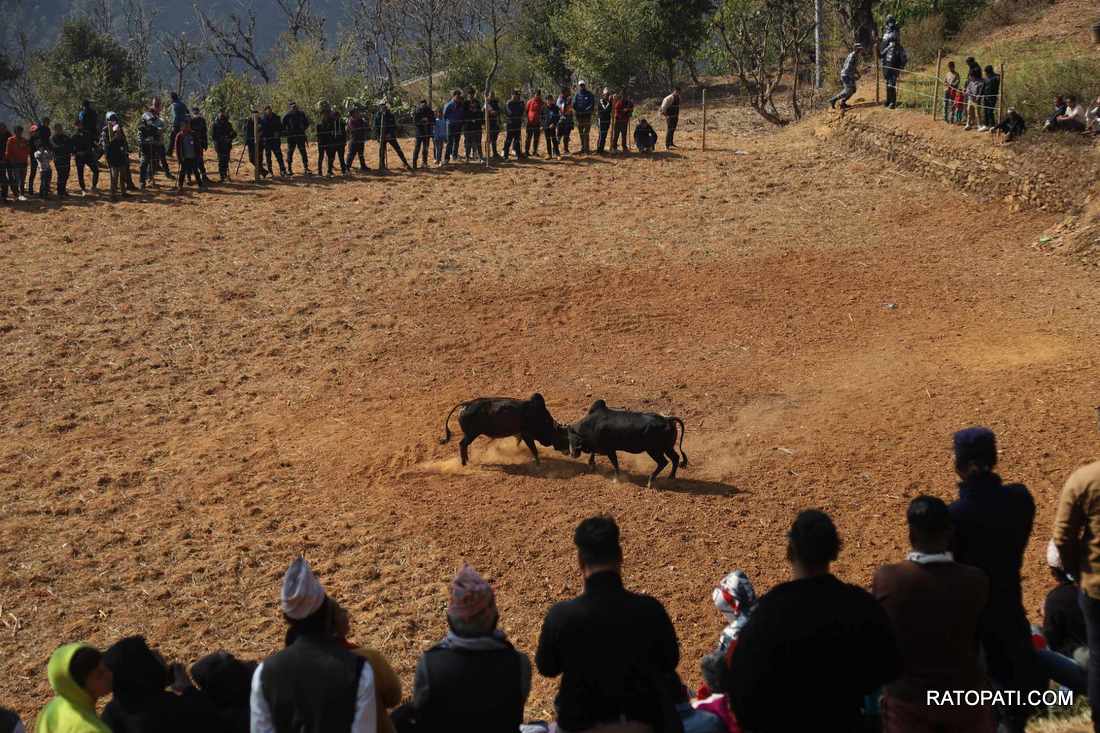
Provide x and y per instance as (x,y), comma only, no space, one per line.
(302,592)
(582,83)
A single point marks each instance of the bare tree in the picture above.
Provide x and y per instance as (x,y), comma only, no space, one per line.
(300,20)
(428,27)
(182,53)
(138,19)
(19,96)
(378,36)
(234,39)
(101,14)
(493,19)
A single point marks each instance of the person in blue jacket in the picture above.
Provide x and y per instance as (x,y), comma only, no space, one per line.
(584,102)
(454,112)
(180,114)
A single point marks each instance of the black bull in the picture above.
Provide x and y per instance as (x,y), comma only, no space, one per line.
(502,417)
(606,431)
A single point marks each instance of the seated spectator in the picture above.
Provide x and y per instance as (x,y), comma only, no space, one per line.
(1072,120)
(386,682)
(1063,660)
(992,524)
(735,599)
(1059,110)
(226,681)
(1092,119)
(614,649)
(141,704)
(645,137)
(9,720)
(474,679)
(1013,125)
(934,605)
(693,720)
(814,646)
(79,678)
(315,684)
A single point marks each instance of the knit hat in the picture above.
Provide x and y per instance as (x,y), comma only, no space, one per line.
(735,597)
(302,593)
(976,445)
(471,596)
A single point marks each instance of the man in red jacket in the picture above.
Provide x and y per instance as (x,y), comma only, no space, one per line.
(534,122)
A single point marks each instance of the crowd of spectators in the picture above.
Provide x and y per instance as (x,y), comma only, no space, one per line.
(813,653)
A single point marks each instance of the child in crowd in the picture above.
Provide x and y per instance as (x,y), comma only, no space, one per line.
(43,157)
(117,160)
(79,678)
(551,116)
(439,136)
(565,127)
(958,105)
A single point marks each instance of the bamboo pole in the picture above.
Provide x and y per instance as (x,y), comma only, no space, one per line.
(704,119)
(936,93)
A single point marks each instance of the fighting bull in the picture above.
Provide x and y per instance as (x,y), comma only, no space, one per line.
(605,431)
(501,417)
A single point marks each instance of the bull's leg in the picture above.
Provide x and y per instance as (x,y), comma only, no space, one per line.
(614,463)
(659,457)
(464,445)
(675,458)
(531,445)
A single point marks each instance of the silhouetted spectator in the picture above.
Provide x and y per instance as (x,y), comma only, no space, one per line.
(645,137)
(387,685)
(474,679)
(1013,125)
(79,678)
(935,605)
(9,720)
(614,649)
(992,523)
(813,647)
(226,681)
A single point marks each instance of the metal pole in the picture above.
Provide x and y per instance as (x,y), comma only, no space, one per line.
(818,80)
(705,119)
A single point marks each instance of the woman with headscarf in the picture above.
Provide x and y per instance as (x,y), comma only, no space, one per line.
(474,679)
(143,704)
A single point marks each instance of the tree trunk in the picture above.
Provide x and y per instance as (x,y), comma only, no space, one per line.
(694,72)
(863,22)
(671,66)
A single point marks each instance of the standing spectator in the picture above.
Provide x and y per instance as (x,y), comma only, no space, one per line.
(150,145)
(565,125)
(439,137)
(1077,539)
(1071,120)
(223,134)
(326,140)
(9,720)
(87,117)
(78,678)
(340,140)
(315,684)
(584,104)
(474,679)
(187,153)
(165,144)
(296,126)
(473,123)
(358,132)
(424,123)
(5,178)
(117,158)
(645,137)
(735,599)
(386,125)
(975,89)
(992,523)
(551,116)
(454,112)
(615,650)
(513,111)
(86,155)
(670,110)
(604,108)
(939,650)
(387,684)
(43,156)
(829,641)
(492,110)
(894,60)
(39,134)
(271,133)
(62,159)
(227,682)
(179,115)
(534,122)
(255,154)
(849,75)
(200,132)
(950,87)
(991,93)
(17,151)
(141,704)
(623,109)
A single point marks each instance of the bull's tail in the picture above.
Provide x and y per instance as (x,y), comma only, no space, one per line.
(683,456)
(446,427)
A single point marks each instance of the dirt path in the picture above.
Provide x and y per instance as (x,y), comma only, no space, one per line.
(196,389)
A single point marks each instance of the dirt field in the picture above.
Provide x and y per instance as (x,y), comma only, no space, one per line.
(196,388)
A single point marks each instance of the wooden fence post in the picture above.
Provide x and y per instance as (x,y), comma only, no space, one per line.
(936,92)
(1001,99)
(704,119)
(874,49)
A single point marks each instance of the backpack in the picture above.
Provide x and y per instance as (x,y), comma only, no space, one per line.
(903,58)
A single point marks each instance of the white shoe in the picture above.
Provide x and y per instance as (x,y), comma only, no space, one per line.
(966,127)
(22,198)
(982,128)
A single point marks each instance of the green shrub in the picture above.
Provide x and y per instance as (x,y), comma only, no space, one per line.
(923,39)
(236,94)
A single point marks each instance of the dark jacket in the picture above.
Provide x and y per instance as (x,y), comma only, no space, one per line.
(140,702)
(645,136)
(223,132)
(604,107)
(385,125)
(1063,620)
(551,115)
(295,124)
(514,110)
(227,683)
(991,87)
(88,119)
(830,641)
(311,686)
(583,103)
(84,144)
(493,107)
(116,152)
(271,128)
(613,649)
(62,150)
(935,609)
(358,130)
(424,120)
(473,117)
(198,129)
